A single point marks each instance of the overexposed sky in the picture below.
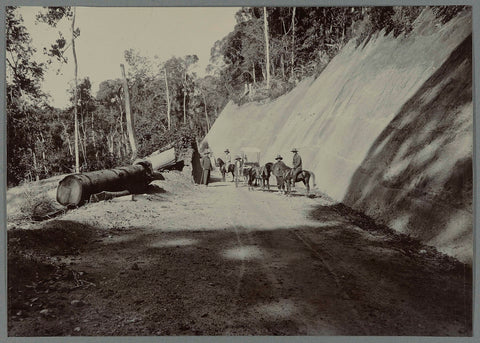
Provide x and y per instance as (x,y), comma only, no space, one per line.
(105,33)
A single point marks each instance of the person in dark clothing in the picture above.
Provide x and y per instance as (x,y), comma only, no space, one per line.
(297,166)
(278,170)
(279,165)
(206,168)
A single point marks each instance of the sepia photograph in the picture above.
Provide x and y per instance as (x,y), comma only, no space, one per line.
(239,171)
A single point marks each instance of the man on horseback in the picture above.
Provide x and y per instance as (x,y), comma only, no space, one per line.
(297,166)
(228,158)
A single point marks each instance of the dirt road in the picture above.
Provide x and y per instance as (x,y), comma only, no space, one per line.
(191,260)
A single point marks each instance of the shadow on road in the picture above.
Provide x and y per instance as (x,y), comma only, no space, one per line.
(338,279)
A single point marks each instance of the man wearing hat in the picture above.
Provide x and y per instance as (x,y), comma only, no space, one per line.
(297,165)
(238,168)
(206,167)
(228,158)
(277,169)
(279,166)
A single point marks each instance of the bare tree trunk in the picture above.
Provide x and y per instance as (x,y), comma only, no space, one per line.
(110,142)
(77,160)
(130,118)
(184,96)
(267,49)
(293,43)
(184,110)
(84,145)
(253,73)
(206,113)
(35,166)
(282,63)
(82,148)
(168,101)
(93,135)
(121,138)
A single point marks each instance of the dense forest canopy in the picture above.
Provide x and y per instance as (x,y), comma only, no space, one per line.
(170,102)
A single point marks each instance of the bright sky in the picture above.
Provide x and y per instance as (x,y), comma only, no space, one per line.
(107,32)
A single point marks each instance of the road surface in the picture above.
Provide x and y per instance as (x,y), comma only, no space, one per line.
(220,260)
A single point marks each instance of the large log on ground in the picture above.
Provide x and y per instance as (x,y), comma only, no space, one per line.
(76,189)
(160,160)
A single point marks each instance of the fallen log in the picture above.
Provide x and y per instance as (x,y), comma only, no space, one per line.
(162,160)
(76,189)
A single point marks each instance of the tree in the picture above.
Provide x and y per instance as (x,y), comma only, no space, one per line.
(24,101)
(267,52)
(52,16)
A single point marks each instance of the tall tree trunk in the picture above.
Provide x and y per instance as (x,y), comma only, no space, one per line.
(130,118)
(293,43)
(168,101)
(93,135)
(77,159)
(184,110)
(35,166)
(253,73)
(282,63)
(267,49)
(121,138)
(84,146)
(206,113)
(184,97)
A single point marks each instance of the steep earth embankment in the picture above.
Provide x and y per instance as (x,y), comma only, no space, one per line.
(386,127)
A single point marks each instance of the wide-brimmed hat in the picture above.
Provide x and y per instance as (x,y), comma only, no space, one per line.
(226,150)
(294,150)
(279,157)
(237,157)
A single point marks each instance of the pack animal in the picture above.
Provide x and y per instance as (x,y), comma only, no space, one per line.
(264,174)
(225,170)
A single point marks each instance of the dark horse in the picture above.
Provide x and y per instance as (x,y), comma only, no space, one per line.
(284,176)
(223,169)
(253,175)
(264,174)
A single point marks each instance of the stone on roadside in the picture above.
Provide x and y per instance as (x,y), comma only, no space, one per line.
(77,303)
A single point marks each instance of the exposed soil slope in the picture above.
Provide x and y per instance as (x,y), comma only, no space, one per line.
(337,122)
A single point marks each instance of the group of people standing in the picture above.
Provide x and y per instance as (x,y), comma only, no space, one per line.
(207,166)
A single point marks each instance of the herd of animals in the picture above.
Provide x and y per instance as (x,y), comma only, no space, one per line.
(260,175)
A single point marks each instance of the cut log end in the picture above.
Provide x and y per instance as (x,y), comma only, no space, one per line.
(70,191)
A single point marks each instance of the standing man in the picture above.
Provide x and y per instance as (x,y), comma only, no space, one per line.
(206,167)
(297,165)
(238,169)
(278,170)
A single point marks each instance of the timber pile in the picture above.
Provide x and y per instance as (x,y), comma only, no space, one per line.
(77,189)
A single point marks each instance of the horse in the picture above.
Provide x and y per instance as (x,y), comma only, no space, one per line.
(264,174)
(303,176)
(223,169)
(253,176)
